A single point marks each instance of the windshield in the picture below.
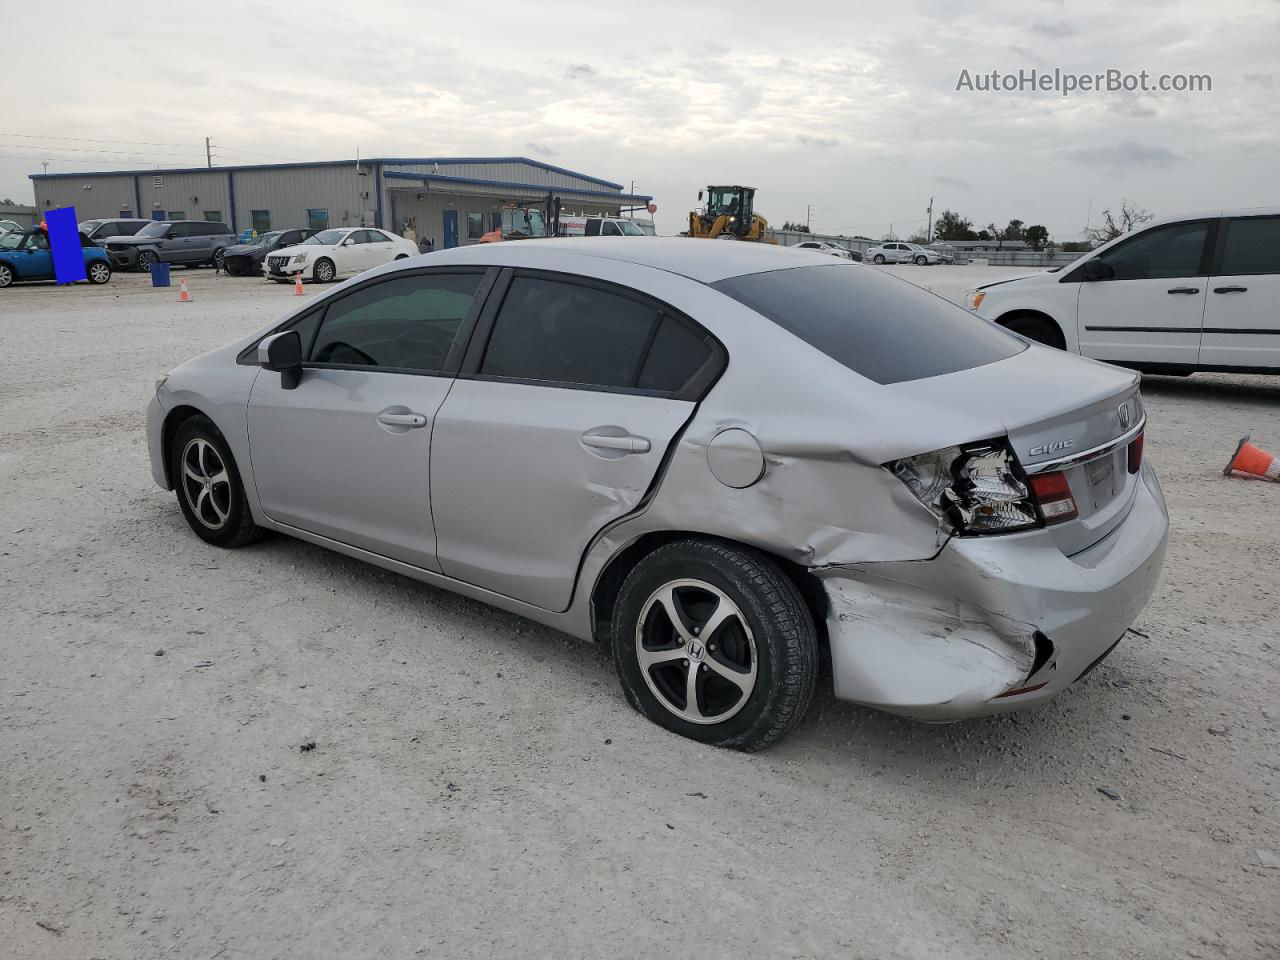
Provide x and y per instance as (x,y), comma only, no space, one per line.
(523,223)
(885,329)
(326,238)
(629,229)
(156,228)
(265,239)
(723,200)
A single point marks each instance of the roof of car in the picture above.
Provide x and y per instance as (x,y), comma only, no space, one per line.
(703,260)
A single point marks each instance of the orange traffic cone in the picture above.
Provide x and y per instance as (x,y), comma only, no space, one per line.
(297,285)
(184,295)
(1253,461)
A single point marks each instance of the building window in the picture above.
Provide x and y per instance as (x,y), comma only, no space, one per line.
(126,214)
(213,216)
(475,226)
(261,220)
(177,214)
(317,219)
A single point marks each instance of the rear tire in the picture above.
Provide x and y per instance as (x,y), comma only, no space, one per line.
(208,485)
(921,261)
(6,275)
(753,671)
(1035,327)
(219,260)
(99,272)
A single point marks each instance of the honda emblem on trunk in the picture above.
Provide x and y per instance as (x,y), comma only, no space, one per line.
(1125,415)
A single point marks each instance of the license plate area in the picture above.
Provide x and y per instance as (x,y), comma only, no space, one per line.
(1101,476)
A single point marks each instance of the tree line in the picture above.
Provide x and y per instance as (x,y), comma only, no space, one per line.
(950,225)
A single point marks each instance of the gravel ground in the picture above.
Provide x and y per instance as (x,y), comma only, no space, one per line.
(478,787)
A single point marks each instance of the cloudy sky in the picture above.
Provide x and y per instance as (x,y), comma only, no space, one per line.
(849,108)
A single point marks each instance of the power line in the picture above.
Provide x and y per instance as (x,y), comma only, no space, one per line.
(33,136)
(94,150)
(252,153)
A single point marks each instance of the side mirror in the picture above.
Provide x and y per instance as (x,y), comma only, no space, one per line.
(349,242)
(282,354)
(1097,270)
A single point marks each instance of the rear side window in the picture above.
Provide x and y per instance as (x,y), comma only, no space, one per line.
(129,229)
(566,333)
(883,328)
(678,352)
(592,228)
(408,323)
(1252,247)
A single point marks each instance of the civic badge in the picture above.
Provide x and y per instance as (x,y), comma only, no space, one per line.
(1126,416)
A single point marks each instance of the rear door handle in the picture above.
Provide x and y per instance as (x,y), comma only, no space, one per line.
(1184,290)
(1230,289)
(412,420)
(626,444)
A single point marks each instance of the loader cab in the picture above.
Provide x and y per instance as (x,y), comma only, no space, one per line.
(735,202)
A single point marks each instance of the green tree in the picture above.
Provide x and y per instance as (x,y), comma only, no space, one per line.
(951,226)
(1036,236)
(1013,231)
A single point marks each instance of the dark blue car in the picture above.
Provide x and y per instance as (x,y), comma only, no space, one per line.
(25,255)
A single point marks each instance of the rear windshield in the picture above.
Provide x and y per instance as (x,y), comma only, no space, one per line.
(886,329)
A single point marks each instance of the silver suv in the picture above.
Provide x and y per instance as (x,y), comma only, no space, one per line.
(188,242)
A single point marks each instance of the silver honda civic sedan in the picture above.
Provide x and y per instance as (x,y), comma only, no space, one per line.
(718,460)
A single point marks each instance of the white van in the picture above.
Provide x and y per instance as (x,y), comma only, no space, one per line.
(1188,293)
(580,226)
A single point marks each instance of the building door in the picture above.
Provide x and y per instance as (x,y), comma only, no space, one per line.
(450,229)
(158,215)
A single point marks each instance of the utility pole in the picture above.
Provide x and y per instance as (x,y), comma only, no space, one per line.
(808,217)
(208,153)
(45,164)
(929,232)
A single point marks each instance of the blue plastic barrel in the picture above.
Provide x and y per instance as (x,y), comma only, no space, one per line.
(159,274)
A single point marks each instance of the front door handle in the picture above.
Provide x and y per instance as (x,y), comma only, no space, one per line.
(1230,289)
(411,420)
(1184,290)
(626,444)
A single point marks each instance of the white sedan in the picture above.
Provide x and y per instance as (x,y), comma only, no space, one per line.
(333,254)
(825,246)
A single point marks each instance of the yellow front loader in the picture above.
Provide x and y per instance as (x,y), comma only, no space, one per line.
(729,215)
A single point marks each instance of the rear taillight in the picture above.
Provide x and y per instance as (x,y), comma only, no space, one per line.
(1135,452)
(976,489)
(1053,493)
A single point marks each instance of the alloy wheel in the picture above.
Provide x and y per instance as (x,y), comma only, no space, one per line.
(206,484)
(145,259)
(99,273)
(324,271)
(696,651)
(6,275)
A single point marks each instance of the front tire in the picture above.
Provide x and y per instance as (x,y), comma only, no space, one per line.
(219,260)
(921,261)
(878,258)
(99,272)
(1038,328)
(324,271)
(6,275)
(208,485)
(145,259)
(712,641)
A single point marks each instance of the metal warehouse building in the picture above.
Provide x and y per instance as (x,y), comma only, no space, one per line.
(450,200)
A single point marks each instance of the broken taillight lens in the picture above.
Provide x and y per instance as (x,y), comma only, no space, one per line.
(1053,493)
(1135,452)
(976,489)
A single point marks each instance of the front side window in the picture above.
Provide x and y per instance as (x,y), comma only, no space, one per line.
(317,218)
(261,220)
(475,226)
(1175,250)
(408,323)
(592,228)
(610,229)
(883,328)
(558,332)
(1252,247)
(629,229)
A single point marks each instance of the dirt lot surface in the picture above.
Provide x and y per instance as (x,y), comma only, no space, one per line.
(479,788)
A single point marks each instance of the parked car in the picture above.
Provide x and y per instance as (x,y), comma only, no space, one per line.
(171,241)
(245,259)
(895,252)
(100,231)
(824,246)
(10,226)
(1192,292)
(332,254)
(579,226)
(945,251)
(696,457)
(25,255)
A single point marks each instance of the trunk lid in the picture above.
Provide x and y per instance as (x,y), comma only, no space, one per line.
(1059,412)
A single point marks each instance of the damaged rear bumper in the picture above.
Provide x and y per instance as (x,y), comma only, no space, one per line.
(949,638)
